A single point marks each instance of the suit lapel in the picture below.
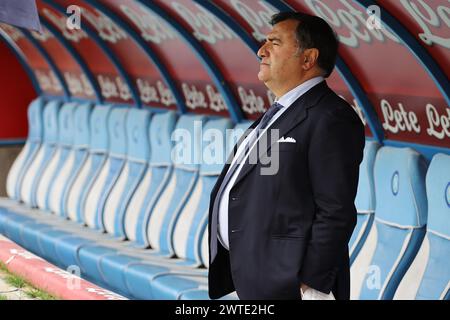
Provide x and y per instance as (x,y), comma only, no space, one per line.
(292,117)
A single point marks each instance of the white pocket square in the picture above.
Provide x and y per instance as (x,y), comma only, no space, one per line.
(287,140)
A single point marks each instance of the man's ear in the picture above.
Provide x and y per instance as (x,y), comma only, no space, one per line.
(310,57)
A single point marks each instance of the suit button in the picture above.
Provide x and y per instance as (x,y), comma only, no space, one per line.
(234,198)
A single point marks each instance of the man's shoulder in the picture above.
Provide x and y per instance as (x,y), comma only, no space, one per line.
(334,107)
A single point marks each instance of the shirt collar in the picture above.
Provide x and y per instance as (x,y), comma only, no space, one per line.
(289,98)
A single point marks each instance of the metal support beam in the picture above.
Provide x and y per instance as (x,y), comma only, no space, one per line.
(50,62)
(151,55)
(101,43)
(75,55)
(213,70)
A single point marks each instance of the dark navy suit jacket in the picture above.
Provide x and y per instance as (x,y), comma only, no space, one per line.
(293,227)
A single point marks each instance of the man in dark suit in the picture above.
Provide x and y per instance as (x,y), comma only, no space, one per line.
(284,235)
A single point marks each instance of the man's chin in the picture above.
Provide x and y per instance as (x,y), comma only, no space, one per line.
(262,77)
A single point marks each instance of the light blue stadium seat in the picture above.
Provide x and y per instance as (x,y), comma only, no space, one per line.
(93,183)
(71,167)
(9,224)
(33,172)
(29,151)
(61,246)
(88,173)
(90,169)
(139,208)
(365,200)
(110,172)
(60,156)
(190,234)
(193,218)
(186,171)
(138,152)
(399,227)
(35,235)
(186,156)
(155,179)
(428,277)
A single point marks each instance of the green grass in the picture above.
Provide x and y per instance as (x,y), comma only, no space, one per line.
(3,267)
(15,281)
(39,294)
(27,288)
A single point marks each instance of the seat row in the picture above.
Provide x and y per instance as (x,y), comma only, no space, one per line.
(136,179)
(123,194)
(400,248)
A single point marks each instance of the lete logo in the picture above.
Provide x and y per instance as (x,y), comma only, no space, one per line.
(425,16)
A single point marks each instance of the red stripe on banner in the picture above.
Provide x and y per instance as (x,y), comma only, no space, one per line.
(48,277)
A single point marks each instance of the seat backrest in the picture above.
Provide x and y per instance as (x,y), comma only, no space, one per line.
(365,196)
(193,218)
(365,199)
(155,179)
(429,275)
(160,134)
(216,135)
(35,133)
(75,160)
(35,120)
(39,162)
(82,120)
(399,227)
(65,141)
(137,126)
(99,139)
(97,153)
(186,156)
(187,151)
(51,121)
(109,173)
(138,152)
(66,124)
(117,133)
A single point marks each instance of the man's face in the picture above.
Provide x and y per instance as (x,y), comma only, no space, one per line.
(280,64)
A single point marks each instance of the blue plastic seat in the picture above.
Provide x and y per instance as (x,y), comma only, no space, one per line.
(170,203)
(428,277)
(90,169)
(110,172)
(29,151)
(155,179)
(60,156)
(399,227)
(87,173)
(32,174)
(138,152)
(75,160)
(365,200)
(186,156)
(190,234)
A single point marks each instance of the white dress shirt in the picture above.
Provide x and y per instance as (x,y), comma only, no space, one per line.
(286,101)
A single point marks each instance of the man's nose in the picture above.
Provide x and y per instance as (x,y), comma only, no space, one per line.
(262,52)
